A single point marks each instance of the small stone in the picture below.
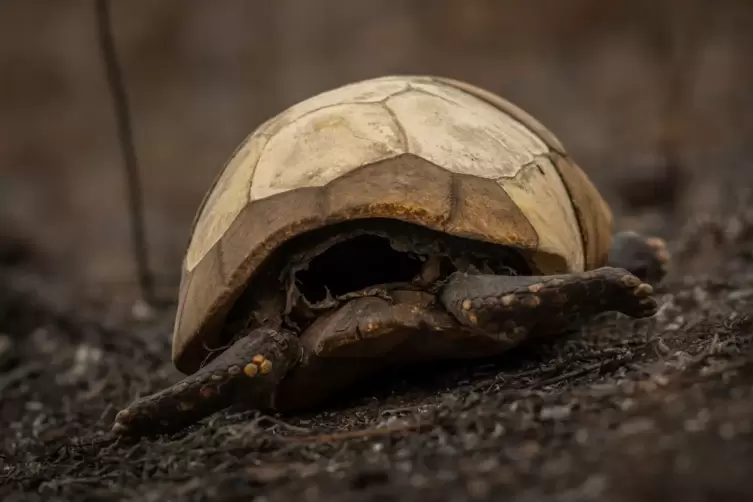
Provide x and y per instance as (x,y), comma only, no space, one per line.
(594,487)
(581,436)
(741,294)
(647,385)
(627,404)
(418,480)
(727,430)
(142,311)
(660,380)
(267,473)
(478,488)
(34,406)
(555,413)
(636,426)
(694,425)
(672,327)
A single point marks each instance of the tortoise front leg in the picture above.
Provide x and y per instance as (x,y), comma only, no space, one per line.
(246,373)
(523,305)
(645,257)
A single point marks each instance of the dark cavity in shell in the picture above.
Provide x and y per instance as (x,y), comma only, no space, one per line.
(274,293)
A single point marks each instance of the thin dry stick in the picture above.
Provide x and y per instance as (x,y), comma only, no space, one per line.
(566,376)
(125,136)
(678,41)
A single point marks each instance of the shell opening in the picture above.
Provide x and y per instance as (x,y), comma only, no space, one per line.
(317,270)
(355,264)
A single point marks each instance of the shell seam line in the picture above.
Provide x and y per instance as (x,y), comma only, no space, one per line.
(401,130)
(533,162)
(454,205)
(220,258)
(284,123)
(553,157)
(249,197)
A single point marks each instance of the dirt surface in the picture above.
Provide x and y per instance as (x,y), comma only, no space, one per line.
(622,411)
(649,410)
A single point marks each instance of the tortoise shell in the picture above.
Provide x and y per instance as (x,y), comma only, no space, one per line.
(426,150)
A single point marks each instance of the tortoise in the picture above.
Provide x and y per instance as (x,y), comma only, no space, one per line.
(388,222)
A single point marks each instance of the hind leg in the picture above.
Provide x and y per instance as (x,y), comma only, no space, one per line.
(645,257)
(544,305)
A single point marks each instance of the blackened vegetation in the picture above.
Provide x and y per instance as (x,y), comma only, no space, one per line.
(625,411)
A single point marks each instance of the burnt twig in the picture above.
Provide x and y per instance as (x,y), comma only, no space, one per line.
(125,136)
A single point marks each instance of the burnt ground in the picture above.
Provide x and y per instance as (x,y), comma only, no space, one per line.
(623,411)
(660,409)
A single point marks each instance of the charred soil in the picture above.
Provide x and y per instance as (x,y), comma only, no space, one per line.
(622,410)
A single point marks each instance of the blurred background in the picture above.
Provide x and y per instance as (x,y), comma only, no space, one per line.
(643,94)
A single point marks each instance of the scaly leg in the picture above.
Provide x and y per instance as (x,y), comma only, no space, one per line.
(246,373)
(544,305)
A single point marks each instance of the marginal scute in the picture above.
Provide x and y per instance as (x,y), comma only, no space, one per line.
(261,226)
(228,197)
(199,302)
(591,210)
(483,210)
(405,187)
